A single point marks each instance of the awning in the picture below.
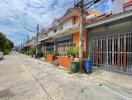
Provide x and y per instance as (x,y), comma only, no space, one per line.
(64,38)
(43,39)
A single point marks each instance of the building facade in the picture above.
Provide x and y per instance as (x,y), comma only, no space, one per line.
(109,42)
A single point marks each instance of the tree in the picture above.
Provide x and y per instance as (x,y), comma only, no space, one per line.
(5,44)
(2,42)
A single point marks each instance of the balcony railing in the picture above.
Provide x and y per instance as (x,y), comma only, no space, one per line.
(70,30)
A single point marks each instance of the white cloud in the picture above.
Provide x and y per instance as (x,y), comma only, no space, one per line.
(15,14)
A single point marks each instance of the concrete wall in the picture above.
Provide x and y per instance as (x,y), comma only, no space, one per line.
(128,5)
(71,21)
(51,33)
(41,36)
(127,1)
(67,24)
(117,6)
(128,8)
(122,27)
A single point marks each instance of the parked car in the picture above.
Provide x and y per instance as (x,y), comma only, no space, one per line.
(1,55)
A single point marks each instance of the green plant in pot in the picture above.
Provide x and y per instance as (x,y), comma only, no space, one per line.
(32,51)
(70,52)
(76,52)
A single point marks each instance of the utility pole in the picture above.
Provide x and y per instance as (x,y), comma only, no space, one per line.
(81,35)
(81,5)
(37,39)
(27,43)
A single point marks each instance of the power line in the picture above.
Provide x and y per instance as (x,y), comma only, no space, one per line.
(71,4)
(28,29)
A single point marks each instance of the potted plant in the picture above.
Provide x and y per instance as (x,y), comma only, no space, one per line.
(70,52)
(32,51)
(76,52)
(49,57)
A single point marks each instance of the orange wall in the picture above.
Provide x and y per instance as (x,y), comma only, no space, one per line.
(76,40)
(64,61)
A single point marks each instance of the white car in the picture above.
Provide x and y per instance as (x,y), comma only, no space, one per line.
(1,55)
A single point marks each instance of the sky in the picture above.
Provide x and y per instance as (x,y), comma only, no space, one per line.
(17,15)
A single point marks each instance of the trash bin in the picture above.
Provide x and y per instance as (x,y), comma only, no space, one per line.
(88,66)
(74,66)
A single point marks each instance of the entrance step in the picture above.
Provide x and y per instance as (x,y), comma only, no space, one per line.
(55,62)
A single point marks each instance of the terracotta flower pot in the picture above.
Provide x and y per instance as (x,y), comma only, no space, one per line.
(49,57)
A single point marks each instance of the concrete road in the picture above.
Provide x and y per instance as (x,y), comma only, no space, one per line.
(24,78)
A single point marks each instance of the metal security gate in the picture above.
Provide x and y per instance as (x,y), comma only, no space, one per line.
(63,47)
(63,44)
(113,52)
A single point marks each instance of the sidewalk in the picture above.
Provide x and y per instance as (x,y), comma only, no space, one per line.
(118,81)
(114,80)
(99,85)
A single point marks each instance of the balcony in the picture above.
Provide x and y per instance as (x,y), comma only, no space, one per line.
(67,31)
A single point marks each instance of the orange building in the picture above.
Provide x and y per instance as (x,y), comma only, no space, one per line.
(67,35)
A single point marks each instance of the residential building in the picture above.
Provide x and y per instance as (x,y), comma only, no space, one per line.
(32,42)
(48,42)
(42,35)
(27,45)
(64,34)
(109,40)
(68,35)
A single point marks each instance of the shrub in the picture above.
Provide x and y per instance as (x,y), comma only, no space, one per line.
(70,52)
(27,53)
(32,51)
(73,51)
(39,54)
(76,51)
(6,52)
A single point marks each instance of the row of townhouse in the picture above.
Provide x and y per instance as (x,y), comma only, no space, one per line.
(27,45)
(107,39)
(64,32)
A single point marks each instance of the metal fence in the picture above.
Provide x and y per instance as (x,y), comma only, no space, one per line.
(62,47)
(113,52)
